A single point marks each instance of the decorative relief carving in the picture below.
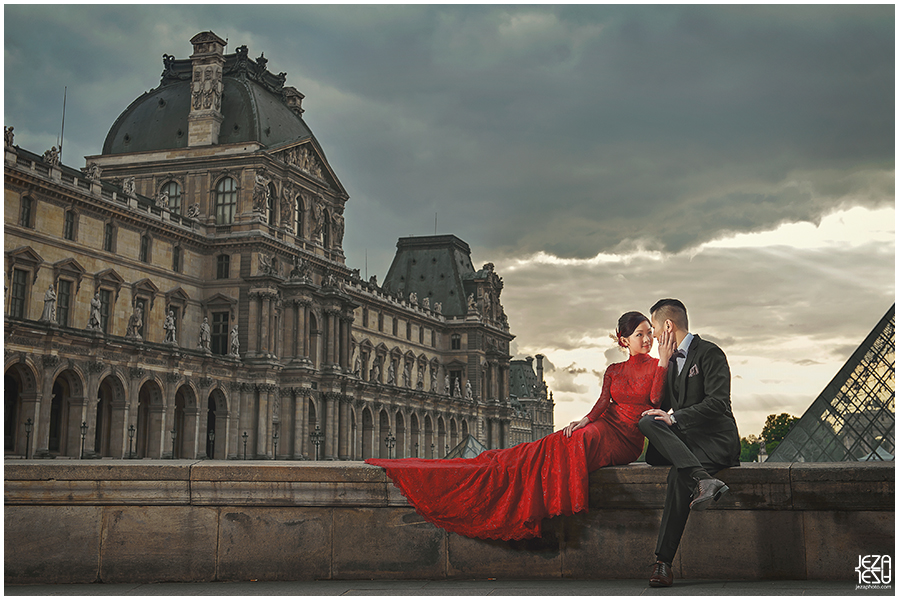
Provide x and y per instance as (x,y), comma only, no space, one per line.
(95,367)
(136,373)
(171,378)
(50,360)
(205,382)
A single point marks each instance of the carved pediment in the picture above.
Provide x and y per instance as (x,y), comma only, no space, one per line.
(308,158)
(177,295)
(25,256)
(109,277)
(70,268)
(145,287)
(220,300)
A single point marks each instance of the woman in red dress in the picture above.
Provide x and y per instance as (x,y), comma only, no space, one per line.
(505,493)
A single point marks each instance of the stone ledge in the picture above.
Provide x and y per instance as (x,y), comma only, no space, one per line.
(213,521)
(754,486)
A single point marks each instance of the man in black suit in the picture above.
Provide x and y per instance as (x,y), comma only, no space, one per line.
(693,431)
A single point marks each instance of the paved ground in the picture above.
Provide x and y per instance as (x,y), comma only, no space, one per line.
(454,587)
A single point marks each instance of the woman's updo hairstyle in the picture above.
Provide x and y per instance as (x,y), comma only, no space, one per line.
(628,323)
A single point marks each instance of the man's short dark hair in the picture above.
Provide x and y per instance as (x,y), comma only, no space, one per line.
(673,310)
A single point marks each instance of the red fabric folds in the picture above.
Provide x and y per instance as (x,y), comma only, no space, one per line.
(505,493)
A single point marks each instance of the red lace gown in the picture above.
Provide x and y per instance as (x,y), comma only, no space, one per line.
(505,493)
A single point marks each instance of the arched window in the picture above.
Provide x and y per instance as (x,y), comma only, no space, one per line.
(226,201)
(174,191)
(298,207)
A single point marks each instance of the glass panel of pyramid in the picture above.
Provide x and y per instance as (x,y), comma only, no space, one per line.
(853,418)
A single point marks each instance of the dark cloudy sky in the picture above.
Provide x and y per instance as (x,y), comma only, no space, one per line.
(738,158)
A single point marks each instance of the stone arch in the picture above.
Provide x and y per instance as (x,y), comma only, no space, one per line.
(185,422)
(414,442)
(441,443)
(368,433)
(20,386)
(465,428)
(384,429)
(109,415)
(148,420)
(314,427)
(429,451)
(65,412)
(400,449)
(214,422)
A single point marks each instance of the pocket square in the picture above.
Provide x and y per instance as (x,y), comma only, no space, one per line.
(694,371)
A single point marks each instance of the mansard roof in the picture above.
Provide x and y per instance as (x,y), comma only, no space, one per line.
(434,267)
(254,106)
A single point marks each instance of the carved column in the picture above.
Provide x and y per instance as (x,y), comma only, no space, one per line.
(300,431)
(253,324)
(305,329)
(331,433)
(262,423)
(344,434)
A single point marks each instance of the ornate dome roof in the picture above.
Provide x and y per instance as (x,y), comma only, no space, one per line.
(256,107)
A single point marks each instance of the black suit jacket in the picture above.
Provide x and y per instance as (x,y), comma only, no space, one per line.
(700,397)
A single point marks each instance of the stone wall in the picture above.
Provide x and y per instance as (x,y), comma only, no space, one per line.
(156,521)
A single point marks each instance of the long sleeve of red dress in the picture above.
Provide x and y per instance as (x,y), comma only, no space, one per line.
(505,493)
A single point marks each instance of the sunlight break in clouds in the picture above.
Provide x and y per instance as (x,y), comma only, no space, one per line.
(779,360)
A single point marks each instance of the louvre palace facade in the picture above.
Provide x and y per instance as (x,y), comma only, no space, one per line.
(185,295)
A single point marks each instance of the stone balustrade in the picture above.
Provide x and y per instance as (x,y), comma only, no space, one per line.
(153,521)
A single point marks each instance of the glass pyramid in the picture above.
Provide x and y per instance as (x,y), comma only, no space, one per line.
(467,449)
(853,418)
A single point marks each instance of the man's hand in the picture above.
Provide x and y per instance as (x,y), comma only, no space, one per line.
(660,415)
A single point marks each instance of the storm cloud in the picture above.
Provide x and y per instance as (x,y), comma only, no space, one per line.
(598,155)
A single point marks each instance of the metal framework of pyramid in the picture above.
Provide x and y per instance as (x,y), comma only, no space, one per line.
(467,449)
(853,418)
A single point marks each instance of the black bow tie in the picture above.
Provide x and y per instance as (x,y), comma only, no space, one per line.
(679,354)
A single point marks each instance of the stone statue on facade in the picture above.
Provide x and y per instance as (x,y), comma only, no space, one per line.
(413,299)
(407,380)
(337,230)
(128,187)
(391,374)
(468,390)
(318,220)
(92,172)
(471,301)
(205,335)
(434,379)
(268,265)
(426,303)
(49,305)
(135,323)
(373,281)
(94,319)
(162,199)
(51,157)
(194,210)
(235,343)
(169,327)
(260,191)
(447,385)
(438,307)
(420,380)
(8,136)
(456,391)
(301,269)
(376,372)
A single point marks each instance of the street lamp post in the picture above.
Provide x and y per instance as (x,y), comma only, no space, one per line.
(130,441)
(275,442)
(244,436)
(390,440)
(446,450)
(174,436)
(417,450)
(83,434)
(316,438)
(29,425)
(432,450)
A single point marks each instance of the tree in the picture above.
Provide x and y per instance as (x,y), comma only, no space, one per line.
(777,427)
(749,448)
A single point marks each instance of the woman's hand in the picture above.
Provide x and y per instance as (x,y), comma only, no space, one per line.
(666,348)
(575,426)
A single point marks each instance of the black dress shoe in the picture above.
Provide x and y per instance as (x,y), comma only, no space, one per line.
(661,574)
(708,490)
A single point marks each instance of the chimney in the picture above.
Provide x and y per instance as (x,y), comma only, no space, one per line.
(293,99)
(205,117)
(540,369)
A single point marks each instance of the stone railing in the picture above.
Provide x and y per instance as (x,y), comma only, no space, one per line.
(191,521)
